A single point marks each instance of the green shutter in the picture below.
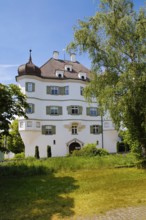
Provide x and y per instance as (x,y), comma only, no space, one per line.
(91,129)
(100,129)
(88,110)
(32,108)
(53,129)
(44,129)
(26,86)
(60,110)
(61,90)
(69,109)
(48,110)
(48,89)
(97,112)
(80,110)
(33,87)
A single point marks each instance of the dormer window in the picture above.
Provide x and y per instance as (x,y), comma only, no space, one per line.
(59,73)
(68,68)
(82,76)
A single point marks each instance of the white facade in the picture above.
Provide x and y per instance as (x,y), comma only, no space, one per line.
(62,120)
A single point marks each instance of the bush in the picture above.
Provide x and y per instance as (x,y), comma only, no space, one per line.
(90,150)
(19,156)
(37,155)
(49,154)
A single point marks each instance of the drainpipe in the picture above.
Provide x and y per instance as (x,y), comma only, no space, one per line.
(102,138)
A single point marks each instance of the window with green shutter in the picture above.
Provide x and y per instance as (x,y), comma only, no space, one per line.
(30,109)
(56,90)
(48,129)
(92,111)
(74,110)
(54,110)
(95,129)
(30,86)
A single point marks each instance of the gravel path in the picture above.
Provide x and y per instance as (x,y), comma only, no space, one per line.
(136,213)
(131,213)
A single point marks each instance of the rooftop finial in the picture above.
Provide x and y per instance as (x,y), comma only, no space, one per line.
(30,59)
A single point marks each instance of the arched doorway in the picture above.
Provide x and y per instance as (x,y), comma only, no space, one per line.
(74,146)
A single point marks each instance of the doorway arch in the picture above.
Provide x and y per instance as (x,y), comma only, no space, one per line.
(74,146)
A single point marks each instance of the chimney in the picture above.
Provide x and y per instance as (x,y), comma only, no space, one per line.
(73,57)
(55,55)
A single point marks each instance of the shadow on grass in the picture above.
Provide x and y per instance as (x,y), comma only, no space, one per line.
(36,197)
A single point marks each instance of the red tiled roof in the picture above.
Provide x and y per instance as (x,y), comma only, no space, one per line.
(48,70)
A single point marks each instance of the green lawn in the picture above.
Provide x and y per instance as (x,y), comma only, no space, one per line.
(67,188)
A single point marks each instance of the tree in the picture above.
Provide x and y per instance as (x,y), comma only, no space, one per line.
(115,40)
(37,154)
(12,104)
(13,142)
(49,153)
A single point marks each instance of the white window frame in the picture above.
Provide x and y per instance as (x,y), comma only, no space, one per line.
(54,110)
(29,110)
(75,110)
(93,111)
(54,90)
(66,90)
(95,129)
(29,87)
(74,129)
(38,124)
(21,124)
(29,124)
(48,129)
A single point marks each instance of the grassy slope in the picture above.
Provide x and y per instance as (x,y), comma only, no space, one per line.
(69,187)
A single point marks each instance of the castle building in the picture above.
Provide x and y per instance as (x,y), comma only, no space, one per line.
(58,114)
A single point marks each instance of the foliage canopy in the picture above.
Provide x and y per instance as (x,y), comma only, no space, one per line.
(12,104)
(115,39)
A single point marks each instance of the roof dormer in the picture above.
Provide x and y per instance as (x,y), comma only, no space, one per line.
(82,75)
(59,73)
(68,68)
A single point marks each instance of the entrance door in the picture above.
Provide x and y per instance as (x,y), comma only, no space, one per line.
(74,146)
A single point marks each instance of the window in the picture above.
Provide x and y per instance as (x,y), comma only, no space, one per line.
(30,109)
(74,129)
(58,90)
(37,124)
(74,110)
(66,90)
(21,124)
(68,68)
(30,86)
(29,123)
(54,110)
(92,111)
(54,90)
(95,129)
(48,129)
(81,90)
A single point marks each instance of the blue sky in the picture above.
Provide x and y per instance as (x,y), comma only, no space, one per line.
(40,25)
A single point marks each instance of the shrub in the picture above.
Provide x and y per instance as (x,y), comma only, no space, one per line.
(90,150)
(19,156)
(49,154)
(102,152)
(37,155)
